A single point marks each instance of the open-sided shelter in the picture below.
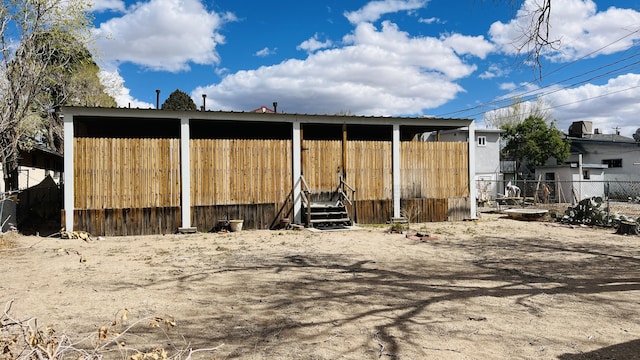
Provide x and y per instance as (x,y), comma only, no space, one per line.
(146,171)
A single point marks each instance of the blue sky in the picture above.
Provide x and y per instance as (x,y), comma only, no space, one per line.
(387,57)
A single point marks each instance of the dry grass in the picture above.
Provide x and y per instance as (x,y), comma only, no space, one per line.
(8,240)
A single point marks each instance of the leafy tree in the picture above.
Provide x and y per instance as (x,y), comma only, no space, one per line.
(71,79)
(179,100)
(25,63)
(532,142)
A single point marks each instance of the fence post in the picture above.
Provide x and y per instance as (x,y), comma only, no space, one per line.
(606,194)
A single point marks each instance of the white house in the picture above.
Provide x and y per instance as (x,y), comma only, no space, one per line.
(34,166)
(620,154)
(488,176)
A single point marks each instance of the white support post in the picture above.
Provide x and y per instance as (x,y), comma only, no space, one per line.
(472,171)
(69,175)
(396,170)
(296,172)
(185,171)
(580,177)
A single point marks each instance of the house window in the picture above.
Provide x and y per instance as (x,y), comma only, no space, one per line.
(482,141)
(613,163)
(586,175)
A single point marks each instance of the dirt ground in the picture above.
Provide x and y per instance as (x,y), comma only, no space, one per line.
(494,288)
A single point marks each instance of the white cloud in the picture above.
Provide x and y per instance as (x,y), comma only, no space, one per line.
(610,105)
(114,86)
(376,72)
(577,26)
(162,35)
(108,5)
(265,52)
(373,10)
(472,45)
(313,44)
(509,86)
(431,20)
(495,71)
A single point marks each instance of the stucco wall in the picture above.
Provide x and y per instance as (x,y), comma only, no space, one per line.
(595,153)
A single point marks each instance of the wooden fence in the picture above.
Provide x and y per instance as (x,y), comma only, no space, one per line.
(132,186)
(113,173)
(368,167)
(239,179)
(126,186)
(226,172)
(434,170)
(428,169)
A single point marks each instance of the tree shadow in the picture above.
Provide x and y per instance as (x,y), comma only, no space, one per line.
(394,297)
(624,351)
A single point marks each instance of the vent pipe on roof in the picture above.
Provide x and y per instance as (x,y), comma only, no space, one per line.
(157,99)
(275,107)
(204,102)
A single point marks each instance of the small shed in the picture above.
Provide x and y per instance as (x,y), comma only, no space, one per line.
(147,171)
(573,182)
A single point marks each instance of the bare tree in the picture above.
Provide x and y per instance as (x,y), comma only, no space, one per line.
(517,113)
(536,37)
(23,67)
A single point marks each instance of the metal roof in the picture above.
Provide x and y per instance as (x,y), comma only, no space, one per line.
(429,123)
(607,138)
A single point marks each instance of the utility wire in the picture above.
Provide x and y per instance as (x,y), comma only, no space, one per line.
(498,100)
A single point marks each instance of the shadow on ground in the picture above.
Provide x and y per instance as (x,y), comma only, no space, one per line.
(302,303)
(625,351)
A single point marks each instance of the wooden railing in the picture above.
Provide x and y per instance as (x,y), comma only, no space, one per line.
(348,194)
(305,193)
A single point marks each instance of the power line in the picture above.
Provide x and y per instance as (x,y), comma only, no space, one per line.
(573,102)
(537,92)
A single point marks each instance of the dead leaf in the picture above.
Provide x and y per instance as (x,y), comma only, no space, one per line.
(102,333)
(125,313)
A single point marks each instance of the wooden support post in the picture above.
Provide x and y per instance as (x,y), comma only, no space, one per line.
(344,151)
